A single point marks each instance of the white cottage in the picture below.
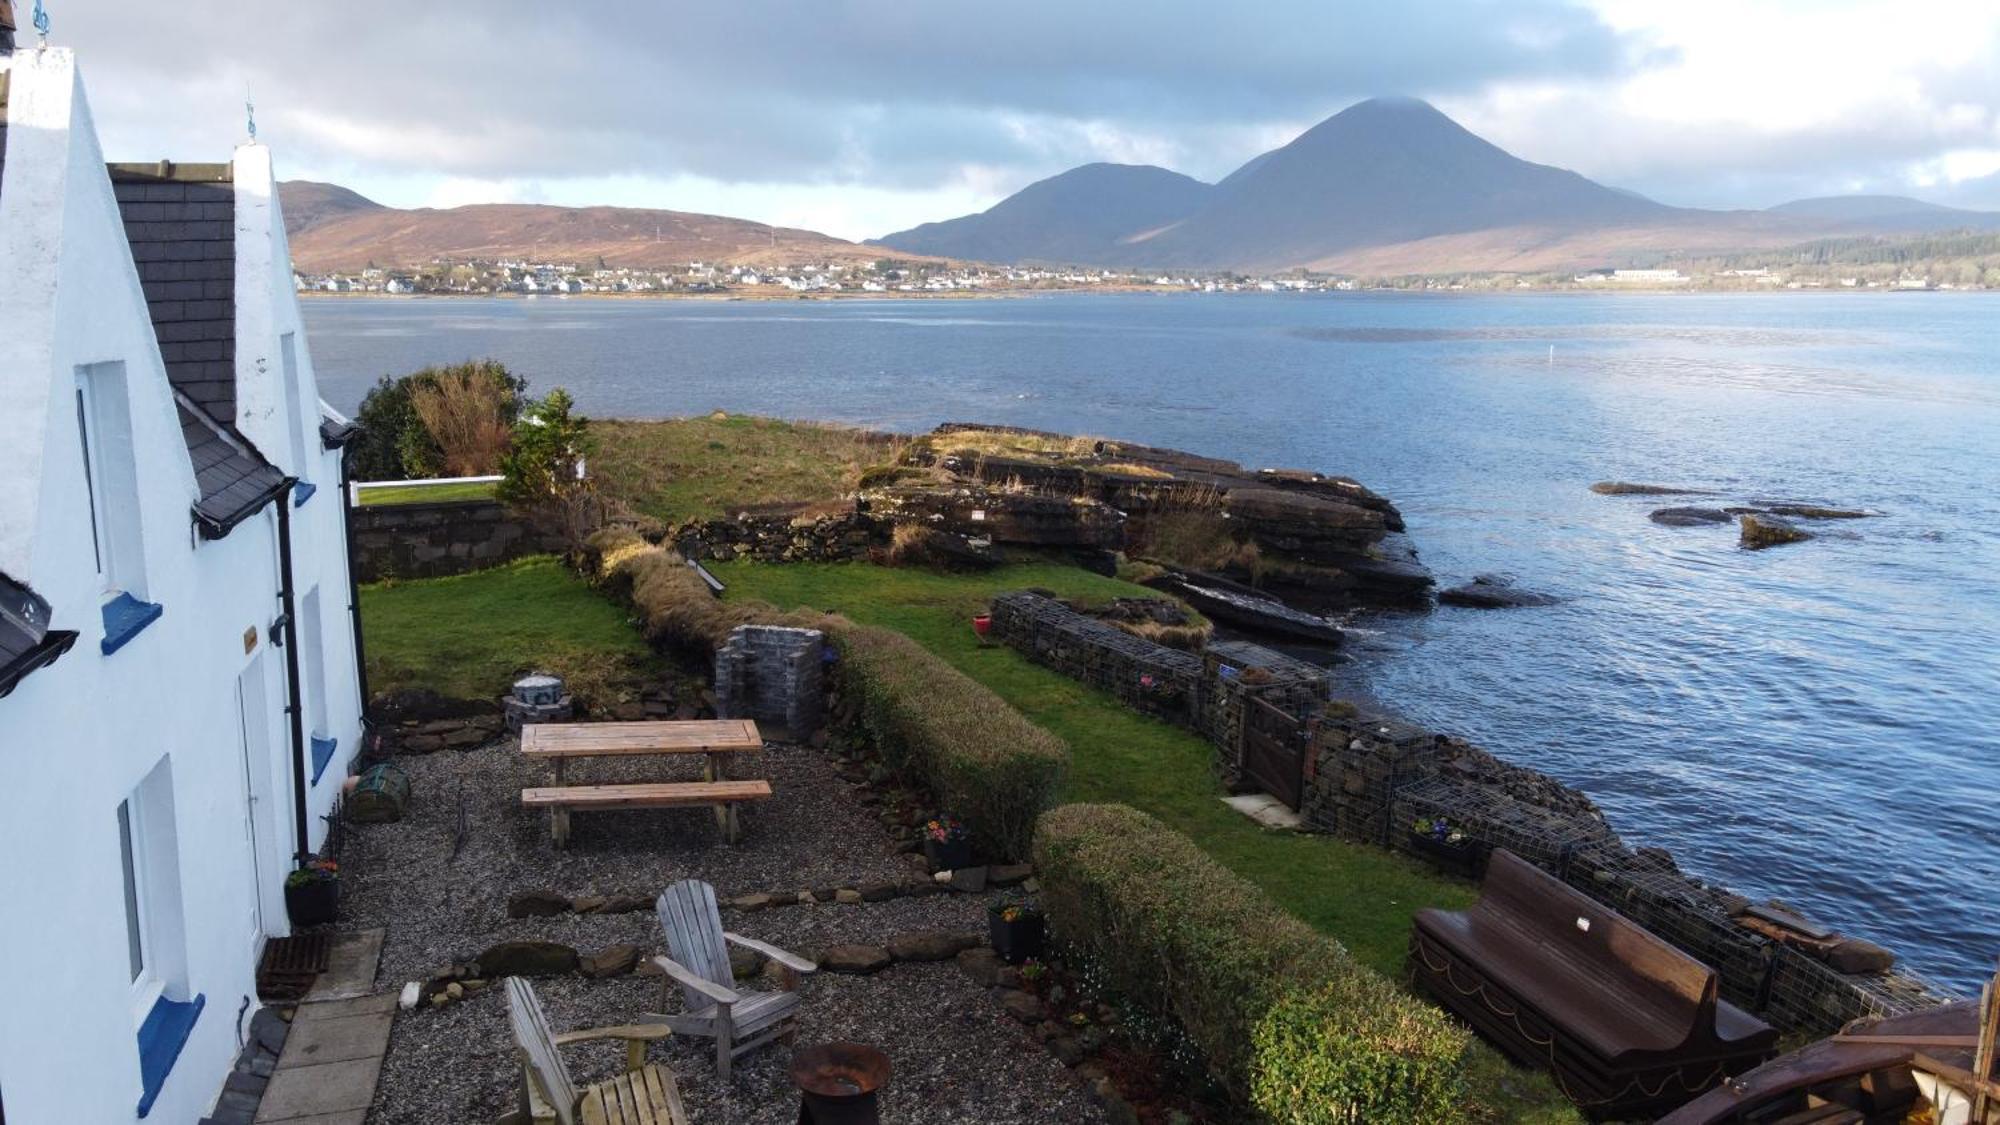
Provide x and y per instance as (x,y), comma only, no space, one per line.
(179,693)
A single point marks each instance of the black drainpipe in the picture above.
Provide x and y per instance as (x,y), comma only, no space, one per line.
(353,590)
(288,622)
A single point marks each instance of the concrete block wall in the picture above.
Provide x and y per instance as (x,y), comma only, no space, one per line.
(452,537)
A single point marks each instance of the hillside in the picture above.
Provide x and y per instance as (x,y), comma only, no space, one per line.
(1081,215)
(1388,187)
(307,203)
(330,233)
(1885,213)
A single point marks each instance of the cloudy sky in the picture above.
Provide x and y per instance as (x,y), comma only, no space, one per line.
(859,117)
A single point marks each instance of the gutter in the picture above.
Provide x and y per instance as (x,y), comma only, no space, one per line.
(288,623)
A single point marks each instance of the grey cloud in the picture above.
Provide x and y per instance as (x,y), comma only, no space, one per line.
(895,94)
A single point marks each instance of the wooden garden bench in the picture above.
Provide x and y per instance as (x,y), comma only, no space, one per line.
(723,796)
(646,1094)
(712,1005)
(1630,1025)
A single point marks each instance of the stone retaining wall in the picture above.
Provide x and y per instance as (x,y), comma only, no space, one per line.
(1372,778)
(779,537)
(450,537)
(1150,677)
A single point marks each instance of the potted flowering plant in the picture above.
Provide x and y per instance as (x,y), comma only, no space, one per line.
(1016,929)
(947,844)
(312,893)
(1446,846)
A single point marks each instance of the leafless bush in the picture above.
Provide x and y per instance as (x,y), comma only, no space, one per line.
(465,410)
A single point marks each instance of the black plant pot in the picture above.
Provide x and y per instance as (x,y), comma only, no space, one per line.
(1464,859)
(313,903)
(949,856)
(1016,941)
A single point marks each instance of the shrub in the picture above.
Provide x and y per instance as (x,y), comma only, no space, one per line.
(466,413)
(978,757)
(394,443)
(544,471)
(1286,1019)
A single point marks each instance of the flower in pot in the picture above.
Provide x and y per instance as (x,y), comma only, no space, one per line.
(312,893)
(947,844)
(1017,931)
(1446,845)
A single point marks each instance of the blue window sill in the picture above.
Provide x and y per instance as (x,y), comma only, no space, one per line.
(124,617)
(323,749)
(302,492)
(161,1038)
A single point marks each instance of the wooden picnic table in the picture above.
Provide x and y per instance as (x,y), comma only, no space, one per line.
(714,739)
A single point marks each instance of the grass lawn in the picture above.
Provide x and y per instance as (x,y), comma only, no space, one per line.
(428,493)
(471,635)
(716,464)
(1361,896)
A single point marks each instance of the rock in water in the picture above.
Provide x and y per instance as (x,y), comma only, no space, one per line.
(1625,488)
(1489,591)
(1688,517)
(1815,512)
(1761,531)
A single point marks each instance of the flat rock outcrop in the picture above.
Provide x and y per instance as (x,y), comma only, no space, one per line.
(1490,591)
(1307,537)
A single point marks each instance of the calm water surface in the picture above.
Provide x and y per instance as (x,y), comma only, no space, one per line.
(1815,723)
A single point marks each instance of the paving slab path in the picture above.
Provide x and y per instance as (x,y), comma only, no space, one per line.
(333,1054)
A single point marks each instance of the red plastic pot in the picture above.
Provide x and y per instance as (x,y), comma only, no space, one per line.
(982,623)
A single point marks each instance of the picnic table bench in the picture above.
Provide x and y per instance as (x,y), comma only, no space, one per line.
(714,739)
(1630,1025)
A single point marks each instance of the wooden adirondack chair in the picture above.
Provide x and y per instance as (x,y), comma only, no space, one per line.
(645,1094)
(739,1022)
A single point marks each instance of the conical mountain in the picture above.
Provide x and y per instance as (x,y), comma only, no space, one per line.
(1384,171)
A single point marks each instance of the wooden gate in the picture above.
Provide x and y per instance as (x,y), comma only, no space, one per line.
(1273,751)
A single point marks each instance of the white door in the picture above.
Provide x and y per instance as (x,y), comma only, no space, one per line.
(254,724)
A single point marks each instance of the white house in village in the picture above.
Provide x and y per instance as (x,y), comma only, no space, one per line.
(173,574)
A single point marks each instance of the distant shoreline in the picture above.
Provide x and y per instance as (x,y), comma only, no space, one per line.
(1154,290)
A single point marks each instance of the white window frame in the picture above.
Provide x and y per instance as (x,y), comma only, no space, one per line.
(116,532)
(295,406)
(146,983)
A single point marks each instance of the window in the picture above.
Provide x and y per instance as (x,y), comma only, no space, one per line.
(110,477)
(312,660)
(135,927)
(163,1012)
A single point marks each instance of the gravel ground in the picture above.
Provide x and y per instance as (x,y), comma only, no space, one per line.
(956,1055)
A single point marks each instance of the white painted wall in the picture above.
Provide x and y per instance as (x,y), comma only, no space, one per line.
(78,736)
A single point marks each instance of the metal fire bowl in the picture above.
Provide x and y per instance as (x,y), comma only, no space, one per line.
(839,1070)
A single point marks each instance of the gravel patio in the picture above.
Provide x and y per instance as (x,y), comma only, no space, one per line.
(957,1055)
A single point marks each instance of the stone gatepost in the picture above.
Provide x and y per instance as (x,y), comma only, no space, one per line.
(773,674)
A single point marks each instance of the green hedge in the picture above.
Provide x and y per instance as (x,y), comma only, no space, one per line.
(1285,1018)
(674,605)
(981,760)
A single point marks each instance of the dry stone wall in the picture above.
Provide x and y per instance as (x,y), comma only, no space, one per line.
(1374,778)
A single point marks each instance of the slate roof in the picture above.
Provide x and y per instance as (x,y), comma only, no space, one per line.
(26,641)
(181,223)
